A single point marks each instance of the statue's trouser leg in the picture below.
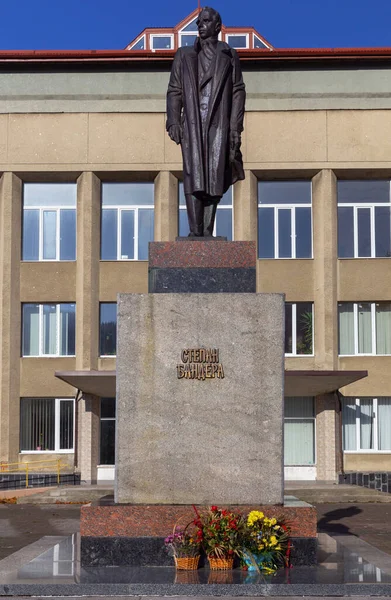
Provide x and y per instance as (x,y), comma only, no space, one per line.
(195,215)
(210,207)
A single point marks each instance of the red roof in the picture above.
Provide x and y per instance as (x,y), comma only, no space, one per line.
(261,54)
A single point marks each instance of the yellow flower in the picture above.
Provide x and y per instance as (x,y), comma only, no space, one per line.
(273,540)
(254,516)
(273,521)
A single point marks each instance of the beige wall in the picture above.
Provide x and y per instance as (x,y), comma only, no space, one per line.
(367,462)
(88,148)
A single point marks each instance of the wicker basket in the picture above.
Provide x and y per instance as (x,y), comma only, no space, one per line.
(220,564)
(188,563)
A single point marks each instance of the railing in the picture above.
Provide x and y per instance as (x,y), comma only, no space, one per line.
(54,464)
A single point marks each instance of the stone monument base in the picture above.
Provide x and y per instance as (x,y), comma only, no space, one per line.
(133,534)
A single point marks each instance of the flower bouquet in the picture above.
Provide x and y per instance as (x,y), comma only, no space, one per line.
(184,546)
(221,533)
(266,543)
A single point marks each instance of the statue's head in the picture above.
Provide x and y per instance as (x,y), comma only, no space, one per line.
(208,23)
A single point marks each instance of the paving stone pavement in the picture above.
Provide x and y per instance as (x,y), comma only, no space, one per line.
(21,525)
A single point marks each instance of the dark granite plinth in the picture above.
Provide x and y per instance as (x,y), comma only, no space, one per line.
(150,551)
(202,265)
(196,281)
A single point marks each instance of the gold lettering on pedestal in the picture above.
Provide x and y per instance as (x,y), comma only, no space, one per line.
(200,363)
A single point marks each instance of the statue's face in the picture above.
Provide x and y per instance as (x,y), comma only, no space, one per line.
(206,25)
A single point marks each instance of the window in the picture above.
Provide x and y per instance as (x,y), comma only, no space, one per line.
(364,328)
(49,221)
(299,431)
(366,424)
(139,45)
(192,26)
(284,219)
(48,330)
(223,222)
(258,43)
(187,39)
(162,42)
(127,220)
(189,33)
(298,328)
(46,425)
(107,431)
(108,329)
(236,40)
(364,224)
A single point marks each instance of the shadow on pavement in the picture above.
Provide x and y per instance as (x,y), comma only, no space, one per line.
(327,523)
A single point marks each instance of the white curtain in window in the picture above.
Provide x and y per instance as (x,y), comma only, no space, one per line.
(346,328)
(49,234)
(299,407)
(383,328)
(299,447)
(49,329)
(384,423)
(364,328)
(31,330)
(349,423)
(366,424)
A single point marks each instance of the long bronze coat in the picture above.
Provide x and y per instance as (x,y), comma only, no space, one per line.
(206,165)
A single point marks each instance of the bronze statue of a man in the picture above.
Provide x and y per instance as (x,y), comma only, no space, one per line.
(205,110)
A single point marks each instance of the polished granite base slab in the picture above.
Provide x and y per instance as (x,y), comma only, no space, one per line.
(347,566)
(150,552)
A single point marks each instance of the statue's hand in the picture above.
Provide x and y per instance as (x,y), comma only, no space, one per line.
(174,131)
(235,142)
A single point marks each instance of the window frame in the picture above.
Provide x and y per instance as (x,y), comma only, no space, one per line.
(356,206)
(120,208)
(142,37)
(100,324)
(256,37)
(41,330)
(152,36)
(355,329)
(100,430)
(358,450)
(294,330)
(243,34)
(48,208)
(57,450)
(292,207)
(182,207)
(311,420)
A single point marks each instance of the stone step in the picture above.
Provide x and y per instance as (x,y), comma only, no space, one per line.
(67,495)
(338,494)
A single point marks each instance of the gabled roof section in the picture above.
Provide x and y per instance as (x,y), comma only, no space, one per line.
(154,39)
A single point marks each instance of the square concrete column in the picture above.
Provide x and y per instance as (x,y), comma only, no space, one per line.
(245,195)
(87,271)
(88,413)
(10,314)
(324,218)
(166,207)
(327,437)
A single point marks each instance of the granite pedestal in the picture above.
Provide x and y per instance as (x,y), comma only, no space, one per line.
(199,403)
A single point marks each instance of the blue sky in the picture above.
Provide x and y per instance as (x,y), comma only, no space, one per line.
(112,24)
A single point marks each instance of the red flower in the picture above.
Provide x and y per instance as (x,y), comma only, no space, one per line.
(214,508)
(224,513)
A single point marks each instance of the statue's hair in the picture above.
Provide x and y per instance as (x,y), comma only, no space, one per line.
(216,15)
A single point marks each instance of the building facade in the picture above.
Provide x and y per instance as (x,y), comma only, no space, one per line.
(89,177)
